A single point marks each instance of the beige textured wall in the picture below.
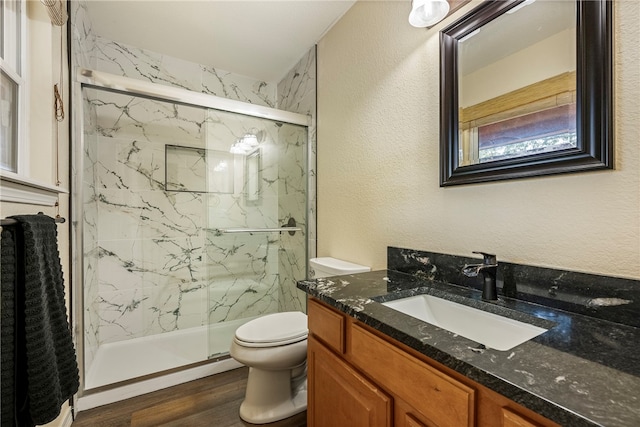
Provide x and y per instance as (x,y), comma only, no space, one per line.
(43,70)
(378,163)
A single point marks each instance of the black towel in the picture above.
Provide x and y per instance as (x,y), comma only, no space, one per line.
(50,374)
(7,325)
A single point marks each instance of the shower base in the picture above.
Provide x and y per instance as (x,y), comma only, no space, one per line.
(123,361)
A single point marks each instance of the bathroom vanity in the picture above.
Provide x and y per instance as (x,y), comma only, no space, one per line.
(360,377)
(372,365)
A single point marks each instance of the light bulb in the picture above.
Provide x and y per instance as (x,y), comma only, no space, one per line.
(425,13)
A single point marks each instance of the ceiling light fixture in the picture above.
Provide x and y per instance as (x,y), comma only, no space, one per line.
(425,13)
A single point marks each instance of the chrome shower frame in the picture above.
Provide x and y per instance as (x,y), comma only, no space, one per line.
(86,78)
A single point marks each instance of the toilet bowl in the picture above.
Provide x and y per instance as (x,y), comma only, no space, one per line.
(274,347)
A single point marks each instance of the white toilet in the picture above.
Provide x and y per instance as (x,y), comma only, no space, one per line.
(327,266)
(274,347)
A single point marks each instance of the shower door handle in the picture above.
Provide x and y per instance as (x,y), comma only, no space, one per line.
(289,227)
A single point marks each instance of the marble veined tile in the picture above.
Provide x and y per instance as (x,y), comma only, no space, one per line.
(121,315)
(241,254)
(120,261)
(149,214)
(297,90)
(170,214)
(118,214)
(131,165)
(223,128)
(233,86)
(239,298)
(264,214)
(123,116)
(180,73)
(173,260)
(223,210)
(83,39)
(174,306)
(292,267)
(199,170)
(135,165)
(125,60)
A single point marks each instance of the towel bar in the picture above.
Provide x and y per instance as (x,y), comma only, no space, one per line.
(11,221)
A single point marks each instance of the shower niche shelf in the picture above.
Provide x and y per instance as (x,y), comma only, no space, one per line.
(198,170)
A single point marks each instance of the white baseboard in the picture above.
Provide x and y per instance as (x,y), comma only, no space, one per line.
(68,418)
(116,394)
(64,419)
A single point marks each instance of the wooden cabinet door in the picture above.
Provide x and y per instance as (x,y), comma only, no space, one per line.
(339,395)
(439,398)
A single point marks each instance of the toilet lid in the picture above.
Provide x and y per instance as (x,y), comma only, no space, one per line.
(274,329)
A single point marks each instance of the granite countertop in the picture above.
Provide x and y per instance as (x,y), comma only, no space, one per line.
(583,371)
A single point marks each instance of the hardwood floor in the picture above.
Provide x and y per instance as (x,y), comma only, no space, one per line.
(208,402)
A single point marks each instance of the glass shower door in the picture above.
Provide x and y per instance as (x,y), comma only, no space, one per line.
(252,266)
(162,183)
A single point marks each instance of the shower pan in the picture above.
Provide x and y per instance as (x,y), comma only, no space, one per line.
(190,219)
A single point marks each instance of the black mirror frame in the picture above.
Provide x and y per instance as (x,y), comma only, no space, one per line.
(594,100)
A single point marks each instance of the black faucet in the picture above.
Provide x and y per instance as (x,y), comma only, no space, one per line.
(488,269)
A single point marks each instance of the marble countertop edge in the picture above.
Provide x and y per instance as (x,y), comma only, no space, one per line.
(540,374)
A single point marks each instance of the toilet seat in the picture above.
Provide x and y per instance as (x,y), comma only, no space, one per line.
(273,330)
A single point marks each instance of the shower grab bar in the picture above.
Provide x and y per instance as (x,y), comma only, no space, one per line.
(290,227)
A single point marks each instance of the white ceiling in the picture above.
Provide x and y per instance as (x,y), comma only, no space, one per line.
(260,39)
(512,32)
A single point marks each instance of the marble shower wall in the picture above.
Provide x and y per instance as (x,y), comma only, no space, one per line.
(297,93)
(150,241)
(125,60)
(154,261)
(163,263)
(83,44)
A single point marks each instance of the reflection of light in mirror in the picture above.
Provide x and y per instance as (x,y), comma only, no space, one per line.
(250,139)
(245,144)
(220,167)
(468,36)
(520,6)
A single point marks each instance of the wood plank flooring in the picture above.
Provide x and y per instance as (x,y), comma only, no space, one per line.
(208,402)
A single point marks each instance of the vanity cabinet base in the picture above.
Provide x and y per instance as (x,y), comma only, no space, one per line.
(359,377)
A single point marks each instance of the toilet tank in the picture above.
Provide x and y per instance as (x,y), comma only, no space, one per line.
(327,266)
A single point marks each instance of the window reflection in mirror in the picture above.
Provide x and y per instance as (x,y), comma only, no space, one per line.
(517,84)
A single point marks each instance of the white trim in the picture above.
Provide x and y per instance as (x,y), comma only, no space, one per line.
(21,80)
(18,189)
(146,386)
(24,142)
(68,418)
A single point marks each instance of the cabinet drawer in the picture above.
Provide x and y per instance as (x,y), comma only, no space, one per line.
(327,324)
(513,419)
(449,402)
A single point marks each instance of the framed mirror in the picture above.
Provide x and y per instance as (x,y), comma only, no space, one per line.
(526,90)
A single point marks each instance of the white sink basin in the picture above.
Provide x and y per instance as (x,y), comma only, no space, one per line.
(492,330)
